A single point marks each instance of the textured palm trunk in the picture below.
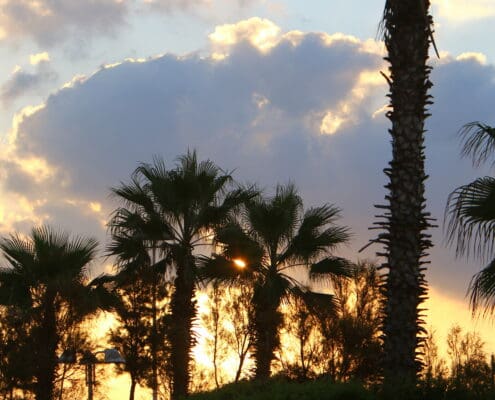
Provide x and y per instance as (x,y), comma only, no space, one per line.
(183,309)
(407,37)
(265,328)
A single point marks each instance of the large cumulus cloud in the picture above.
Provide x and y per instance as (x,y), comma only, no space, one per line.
(298,106)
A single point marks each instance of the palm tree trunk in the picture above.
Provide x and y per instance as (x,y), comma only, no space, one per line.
(265,328)
(183,310)
(407,37)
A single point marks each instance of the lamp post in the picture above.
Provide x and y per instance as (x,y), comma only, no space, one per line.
(89,360)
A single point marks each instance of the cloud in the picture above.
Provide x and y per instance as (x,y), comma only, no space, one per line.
(259,32)
(35,59)
(48,22)
(173,5)
(307,107)
(464,10)
(20,82)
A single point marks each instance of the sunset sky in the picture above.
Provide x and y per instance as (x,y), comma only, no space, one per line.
(277,90)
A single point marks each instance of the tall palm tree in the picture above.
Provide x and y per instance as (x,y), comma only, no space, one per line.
(175,211)
(272,237)
(45,277)
(407,32)
(470,215)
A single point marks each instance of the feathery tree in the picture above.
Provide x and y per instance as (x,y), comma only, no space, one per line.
(351,337)
(16,349)
(142,343)
(470,215)
(173,211)
(407,32)
(272,237)
(139,238)
(45,278)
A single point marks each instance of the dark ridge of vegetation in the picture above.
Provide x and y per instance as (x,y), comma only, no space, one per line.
(281,389)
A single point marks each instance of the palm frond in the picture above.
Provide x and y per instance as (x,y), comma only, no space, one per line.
(478,142)
(212,215)
(221,269)
(331,267)
(237,243)
(314,235)
(273,220)
(470,218)
(19,252)
(482,290)
(46,260)
(134,195)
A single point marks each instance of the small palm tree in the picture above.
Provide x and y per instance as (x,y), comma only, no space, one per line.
(45,278)
(470,215)
(170,213)
(271,238)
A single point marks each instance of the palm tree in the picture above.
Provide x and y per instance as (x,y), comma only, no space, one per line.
(470,215)
(407,32)
(174,211)
(46,278)
(271,238)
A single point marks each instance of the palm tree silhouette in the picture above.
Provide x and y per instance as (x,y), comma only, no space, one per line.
(46,278)
(407,32)
(470,215)
(272,237)
(172,212)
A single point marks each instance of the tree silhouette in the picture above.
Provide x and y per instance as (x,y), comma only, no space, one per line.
(407,32)
(470,215)
(175,210)
(271,237)
(45,279)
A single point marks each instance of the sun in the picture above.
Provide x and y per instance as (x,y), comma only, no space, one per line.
(239,263)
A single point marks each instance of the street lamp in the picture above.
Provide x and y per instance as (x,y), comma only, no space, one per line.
(89,360)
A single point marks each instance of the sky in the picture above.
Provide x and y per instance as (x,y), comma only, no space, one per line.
(277,91)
